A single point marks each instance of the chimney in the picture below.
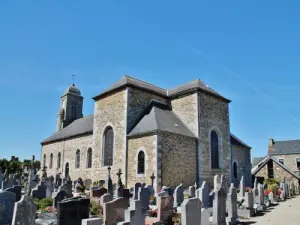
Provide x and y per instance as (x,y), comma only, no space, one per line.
(271,145)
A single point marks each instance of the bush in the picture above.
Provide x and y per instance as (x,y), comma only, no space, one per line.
(43,203)
(272,181)
(96,209)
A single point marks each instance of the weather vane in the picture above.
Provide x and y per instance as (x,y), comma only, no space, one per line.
(73,79)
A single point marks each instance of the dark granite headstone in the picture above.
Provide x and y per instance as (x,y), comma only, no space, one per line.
(58,197)
(7,202)
(97,193)
(39,192)
(17,190)
(72,211)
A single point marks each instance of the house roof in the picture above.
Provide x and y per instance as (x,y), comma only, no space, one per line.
(256,160)
(261,164)
(285,147)
(160,117)
(78,127)
(127,81)
(237,141)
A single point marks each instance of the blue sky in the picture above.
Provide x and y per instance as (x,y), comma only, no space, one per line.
(249,51)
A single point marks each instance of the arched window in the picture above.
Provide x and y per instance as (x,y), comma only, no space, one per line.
(108,140)
(44,160)
(141,163)
(77,160)
(234,170)
(214,148)
(74,109)
(89,158)
(51,161)
(58,160)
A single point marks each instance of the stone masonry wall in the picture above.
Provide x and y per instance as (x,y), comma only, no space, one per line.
(214,115)
(110,111)
(186,109)
(148,145)
(68,150)
(242,156)
(289,161)
(178,159)
(137,102)
(279,173)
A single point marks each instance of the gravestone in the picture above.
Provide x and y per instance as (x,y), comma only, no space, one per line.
(151,189)
(192,191)
(39,191)
(58,197)
(261,194)
(135,215)
(217,182)
(178,195)
(232,205)
(105,198)
(88,183)
(72,211)
(271,197)
(136,190)
(204,191)
(219,207)
(7,202)
(24,211)
(49,187)
(17,190)
(114,211)
(91,221)
(224,183)
(164,208)
(242,187)
(97,193)
(144,196)
(1,179)
(67,187)
(101,183)
(205,216)
(191,212)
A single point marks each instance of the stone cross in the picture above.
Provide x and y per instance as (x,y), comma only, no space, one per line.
(232,205)
(110,189)
(191,212)
(219,207)
(152,179)
(119,173)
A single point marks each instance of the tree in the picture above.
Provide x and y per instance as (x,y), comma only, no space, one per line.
(3,165)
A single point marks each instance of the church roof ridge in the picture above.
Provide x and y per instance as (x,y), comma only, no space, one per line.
(129,81)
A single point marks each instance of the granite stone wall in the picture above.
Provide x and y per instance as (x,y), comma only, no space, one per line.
(214,115)
(68,150)
(289,161)
(279,173)
(242,156)
(110,111)
(186,108)
(178,159)
(147,144)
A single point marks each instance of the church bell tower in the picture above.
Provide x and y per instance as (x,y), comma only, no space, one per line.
(71,104)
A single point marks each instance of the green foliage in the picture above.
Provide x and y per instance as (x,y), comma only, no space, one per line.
(43,203)
(271,181)
(96,209)
(3,164)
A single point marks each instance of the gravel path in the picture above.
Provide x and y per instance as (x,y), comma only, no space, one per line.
(286,213)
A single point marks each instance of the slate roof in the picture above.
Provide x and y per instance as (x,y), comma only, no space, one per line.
(261,164)
(237,141)
(285,147)
(127,81)
(78,127)
(160,117)
(256,160)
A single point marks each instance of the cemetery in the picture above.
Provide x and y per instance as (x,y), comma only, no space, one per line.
(61,201)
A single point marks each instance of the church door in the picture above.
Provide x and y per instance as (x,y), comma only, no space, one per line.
(67,170)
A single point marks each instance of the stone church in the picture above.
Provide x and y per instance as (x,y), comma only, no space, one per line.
(182,135)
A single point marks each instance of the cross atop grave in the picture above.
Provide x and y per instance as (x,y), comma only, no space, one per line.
(152,179)
(119,173)
(109,183)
